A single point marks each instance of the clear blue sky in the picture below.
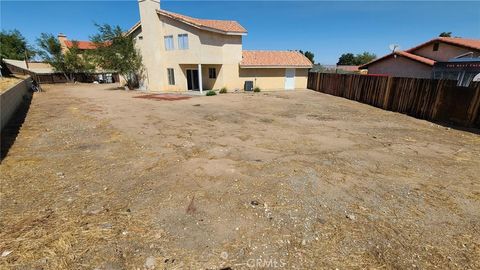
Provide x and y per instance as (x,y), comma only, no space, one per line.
(326,28)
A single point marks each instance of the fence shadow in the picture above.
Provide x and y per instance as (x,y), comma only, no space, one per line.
(12,128)
(439,101)
(451,125)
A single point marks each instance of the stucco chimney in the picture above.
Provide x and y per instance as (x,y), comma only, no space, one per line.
(148,9)
(62,38)
(151,32)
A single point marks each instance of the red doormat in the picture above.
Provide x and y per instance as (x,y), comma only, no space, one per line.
(168,97)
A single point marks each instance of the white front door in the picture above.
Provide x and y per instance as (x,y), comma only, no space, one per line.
(289,78)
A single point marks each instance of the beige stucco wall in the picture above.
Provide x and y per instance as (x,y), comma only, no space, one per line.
(272,78)
(400,67)
(444,53)
(11,99)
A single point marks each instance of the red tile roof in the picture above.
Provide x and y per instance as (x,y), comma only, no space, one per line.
(417,58)
(82,45)
(463,42)
(274,59)
(408,55)
(223,26)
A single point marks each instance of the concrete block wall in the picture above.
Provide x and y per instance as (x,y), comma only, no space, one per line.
(11,99)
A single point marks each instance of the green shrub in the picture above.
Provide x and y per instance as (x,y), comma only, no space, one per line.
(223,90)
(211,93)
(256,89)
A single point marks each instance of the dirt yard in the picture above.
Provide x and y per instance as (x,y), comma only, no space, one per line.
(97,179)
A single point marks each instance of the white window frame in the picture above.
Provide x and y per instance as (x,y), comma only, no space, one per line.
(183,42)
(171,76)
(168,41)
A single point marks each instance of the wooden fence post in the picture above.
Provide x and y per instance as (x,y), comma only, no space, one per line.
(317,87)
(388,90)
(437,102)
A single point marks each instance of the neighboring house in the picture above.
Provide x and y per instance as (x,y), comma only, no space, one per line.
(67,44)
(418,62)
(183,53)
(35,67)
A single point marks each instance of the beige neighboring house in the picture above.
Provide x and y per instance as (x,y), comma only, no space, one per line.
(182,53)
(67,44)
(35,67)
(418,62)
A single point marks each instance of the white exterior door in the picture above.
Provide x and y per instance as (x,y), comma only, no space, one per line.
(289,78)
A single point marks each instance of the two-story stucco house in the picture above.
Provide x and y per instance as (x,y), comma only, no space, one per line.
(183,53)
(419,61)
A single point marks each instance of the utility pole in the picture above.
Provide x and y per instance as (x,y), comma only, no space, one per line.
(26,57)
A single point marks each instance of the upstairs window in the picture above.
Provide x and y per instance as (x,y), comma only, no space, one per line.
(169,43)
(183,41)
(171,76)
(212,73)
(435,46)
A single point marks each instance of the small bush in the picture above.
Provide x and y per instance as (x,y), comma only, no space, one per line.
(223,90)
(256,89)
(211,93)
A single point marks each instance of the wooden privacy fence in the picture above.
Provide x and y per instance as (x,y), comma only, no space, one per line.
(439,100)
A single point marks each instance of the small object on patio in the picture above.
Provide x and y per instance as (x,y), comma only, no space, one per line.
(254,203)
(248,86)
(196,105)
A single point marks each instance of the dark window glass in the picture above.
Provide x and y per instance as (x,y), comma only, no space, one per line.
(212,73)
(171,76)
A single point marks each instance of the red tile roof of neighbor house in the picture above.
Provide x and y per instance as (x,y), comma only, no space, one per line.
(463,42)
(85,45)
(219,25)
(408,55)
(415,57)
(274,59)
(82,45)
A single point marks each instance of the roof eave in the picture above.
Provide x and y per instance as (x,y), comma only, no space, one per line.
(365,66)
(133,28)
(231,33)
(275,66)
(439,39)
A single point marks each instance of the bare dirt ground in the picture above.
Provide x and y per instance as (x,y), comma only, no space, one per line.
(98,179)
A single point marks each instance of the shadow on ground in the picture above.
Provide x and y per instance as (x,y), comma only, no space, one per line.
(11,130)
(447,125)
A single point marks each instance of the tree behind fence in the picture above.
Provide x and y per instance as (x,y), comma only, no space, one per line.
(439,100)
